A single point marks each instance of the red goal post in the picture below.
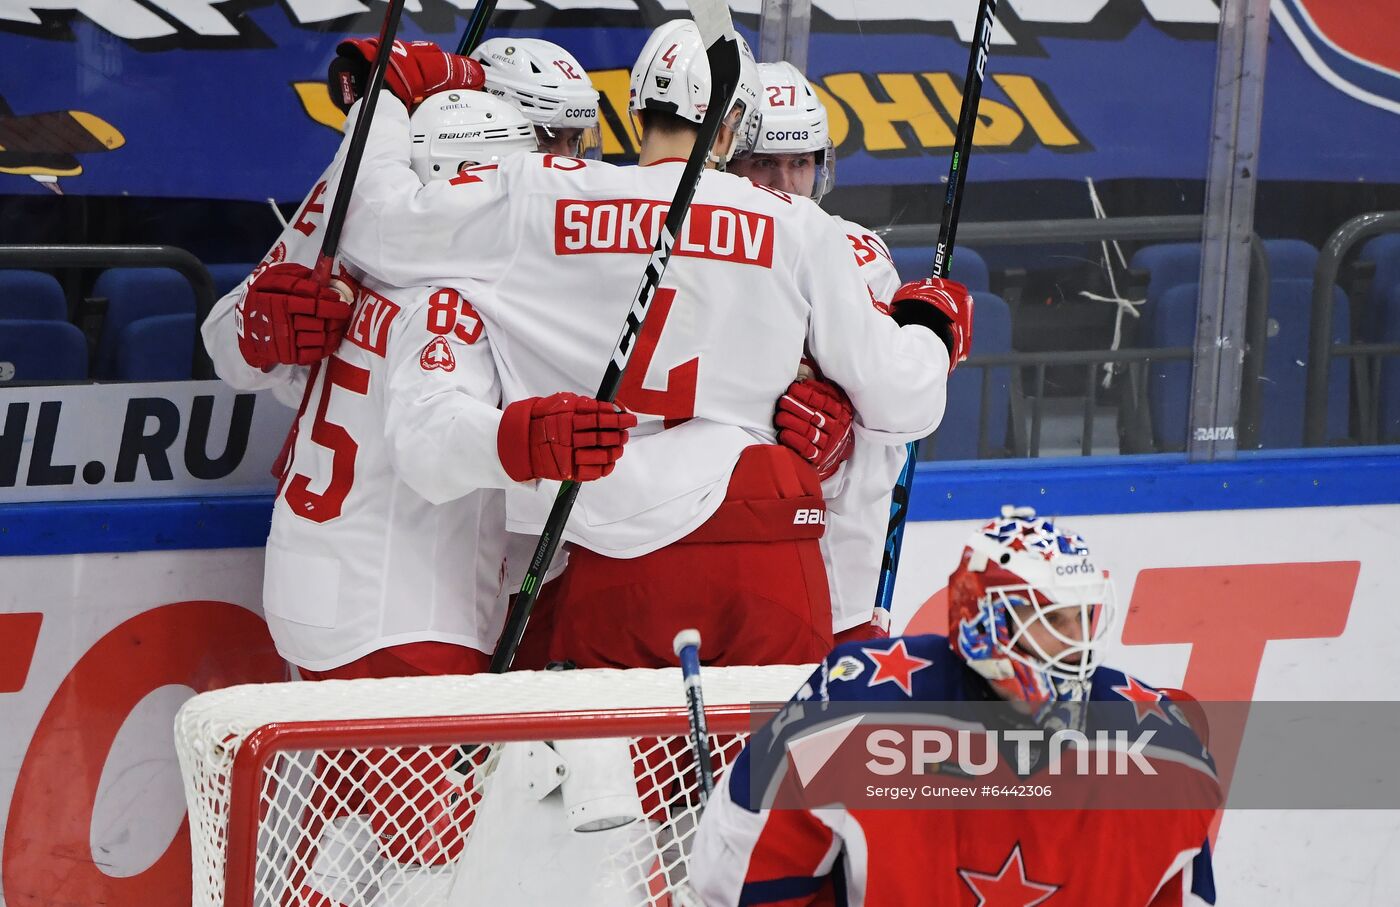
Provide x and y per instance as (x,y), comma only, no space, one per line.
(442,791)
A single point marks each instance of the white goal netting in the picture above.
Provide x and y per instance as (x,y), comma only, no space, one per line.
(569,787)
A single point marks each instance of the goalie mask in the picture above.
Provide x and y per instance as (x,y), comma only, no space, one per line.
(456,129)
(550,87)
(793,122)
(672,75)
(1028,609)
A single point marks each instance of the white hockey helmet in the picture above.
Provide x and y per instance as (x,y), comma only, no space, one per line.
(549,86)
(453,129)
(672,75)
(794,121)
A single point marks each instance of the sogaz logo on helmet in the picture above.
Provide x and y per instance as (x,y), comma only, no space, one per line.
(1085,566)
(582,112)
(787,135)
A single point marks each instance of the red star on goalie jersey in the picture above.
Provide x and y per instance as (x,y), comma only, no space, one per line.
(1007,888)
(895,664)
(1146,702)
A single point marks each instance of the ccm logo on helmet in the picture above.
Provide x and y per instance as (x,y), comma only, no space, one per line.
(1084,566)
(787,135)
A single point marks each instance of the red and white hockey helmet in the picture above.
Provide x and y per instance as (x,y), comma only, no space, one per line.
(672,75)
(454,129)
(1028,608)
(549,86)
(793,121)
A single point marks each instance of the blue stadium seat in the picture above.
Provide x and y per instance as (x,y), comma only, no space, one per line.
(159,348)
(31,295)
(969,268)
(991,335)
(133,294)
(1290,259)
(41,351)
(1285,366)
(226,277)
(1168,265)
(1388,429)
(1384,251)
(1170,322)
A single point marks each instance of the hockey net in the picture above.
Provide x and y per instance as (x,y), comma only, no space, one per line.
(572,787)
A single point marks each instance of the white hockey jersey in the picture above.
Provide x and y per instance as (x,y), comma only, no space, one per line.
(858,495)
(390,526)
(558,246)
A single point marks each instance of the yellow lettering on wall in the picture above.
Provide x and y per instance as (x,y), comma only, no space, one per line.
(316,101)
(907,104)
(997,124)
(614,91)
(837,122)
(1046,122)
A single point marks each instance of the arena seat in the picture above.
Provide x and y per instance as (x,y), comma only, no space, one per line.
(1290,259)
(32,296)
(1384,252)
(228,276)
(1388,428)
(1285,366)
(1168,265)
(36,351)
(991,335)
(159,348)
(1172,322)
(133,294)
(969,267)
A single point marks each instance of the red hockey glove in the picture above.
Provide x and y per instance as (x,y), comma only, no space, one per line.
(287,318)
(814,418)
(562,437)
(944,307)
(416,70)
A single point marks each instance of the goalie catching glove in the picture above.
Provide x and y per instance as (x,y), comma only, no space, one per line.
(944,307)
(287,317)
(814,418)
(563,437)
(416,70)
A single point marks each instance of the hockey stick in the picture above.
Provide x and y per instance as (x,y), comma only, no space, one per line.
(476,26)
(942,261)
(335,220)
(722,51)
(687,648)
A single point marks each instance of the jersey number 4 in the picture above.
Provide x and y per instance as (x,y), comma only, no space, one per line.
(677,401)
(322,507)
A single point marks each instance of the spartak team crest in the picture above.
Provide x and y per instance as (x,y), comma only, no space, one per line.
(1352,45)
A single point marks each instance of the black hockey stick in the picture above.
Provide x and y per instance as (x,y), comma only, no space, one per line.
(335,220)
(722,51)
(942,261)
(476,26)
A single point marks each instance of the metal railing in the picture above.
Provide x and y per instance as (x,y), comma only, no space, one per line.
(114,256)
(1321,349)
(1175,228)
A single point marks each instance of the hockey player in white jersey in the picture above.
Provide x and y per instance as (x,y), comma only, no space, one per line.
(547,84)
(715,525)
(387,544)
(790,149)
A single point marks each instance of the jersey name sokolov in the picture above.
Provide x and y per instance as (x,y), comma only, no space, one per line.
(631,225)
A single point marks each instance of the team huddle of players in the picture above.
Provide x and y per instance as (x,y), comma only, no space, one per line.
(741,484)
